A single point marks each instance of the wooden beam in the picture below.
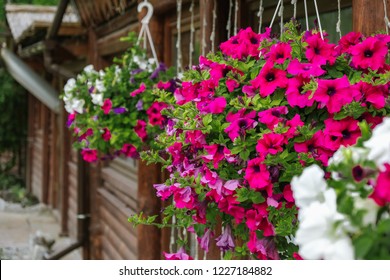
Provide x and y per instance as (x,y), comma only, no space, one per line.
(368,16)
(149,237)
(53,31)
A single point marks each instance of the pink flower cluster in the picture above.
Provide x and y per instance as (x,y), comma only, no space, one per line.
(252,129)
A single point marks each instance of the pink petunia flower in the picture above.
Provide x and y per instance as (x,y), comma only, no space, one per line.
(163,191)
(140,130)
(381,193)
(180,255)
(216,153)
(212,105)
(270,143)
(344,132)
(196,138)
(186,93)
(71,118)
(319,148)
(295,95)
(129,151)
(141,89)
(86,134)
(89,155)
(334,94)
(264,248)
(258,176)
(371,53)
(279,53)
(106,135)
(319,51)
(349,40)
(183,197)
(107,105)
(269,79)
(305,70)
(240,123)
(154,113)
(375,95)
(273,116)
(232,85)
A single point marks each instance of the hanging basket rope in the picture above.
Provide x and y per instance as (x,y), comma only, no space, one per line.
(145,32)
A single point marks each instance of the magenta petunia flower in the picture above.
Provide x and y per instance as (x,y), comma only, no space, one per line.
(183,197)
(163,191)
(320,51)
(349,40)
(305,70)
(86,134)
(279,53)
(154,113)
(270,143)
(180,255)
(140,130)
(334,94)
(212,105)
(371,53)
(216,153)
(175,151)
(107,105)
(293,125)
(344,132)
(295,95)
(269,79)
(258,176)
(139,90)
(106,135)
(272,117)
(186,93)
(232,85)
(375,95)
(240,123)
(129,151)
(89,155)
(264,248)
(71,118)
(381,193)
(319,148)
(196,138)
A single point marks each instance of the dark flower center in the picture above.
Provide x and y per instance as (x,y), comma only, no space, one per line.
(306,67)
(235,41)
(275,113)
(301,90)
(346,134)
(256,168)
(331,91)
(358,173)
(254,40)
(279,55)
(311,148)
(368,53)
(220,150)
(242,123)
(270,77)
(317,51)
(333,138)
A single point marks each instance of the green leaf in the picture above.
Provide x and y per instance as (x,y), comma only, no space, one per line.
(362,246)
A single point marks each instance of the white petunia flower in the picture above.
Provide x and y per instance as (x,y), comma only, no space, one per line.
(97,99)
(379,144)
(74,105)
(89,69)
(322,233)
(370,207)
(70,85)
(308,187)
(354,153)
(99,85)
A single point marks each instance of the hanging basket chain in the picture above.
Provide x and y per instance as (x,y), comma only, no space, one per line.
(281,11)
(306,15)
(145,32)
(236,18)
(276,12)
(229,21)
(212,36)
(294,2)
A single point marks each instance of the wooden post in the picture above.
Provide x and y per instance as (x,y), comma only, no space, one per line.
(149,237)
(368,16)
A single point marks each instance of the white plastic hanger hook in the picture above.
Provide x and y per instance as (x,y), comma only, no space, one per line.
(149,13)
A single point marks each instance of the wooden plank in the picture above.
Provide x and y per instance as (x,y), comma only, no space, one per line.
(123,197)
(121,229)
(111,44)
(368,16)
(116,24)
(120,182)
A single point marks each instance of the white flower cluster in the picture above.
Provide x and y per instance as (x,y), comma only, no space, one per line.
(93,79)
(144,64)
(323,232)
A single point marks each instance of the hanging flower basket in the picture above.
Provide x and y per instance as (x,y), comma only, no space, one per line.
(112,112)
(248,119)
